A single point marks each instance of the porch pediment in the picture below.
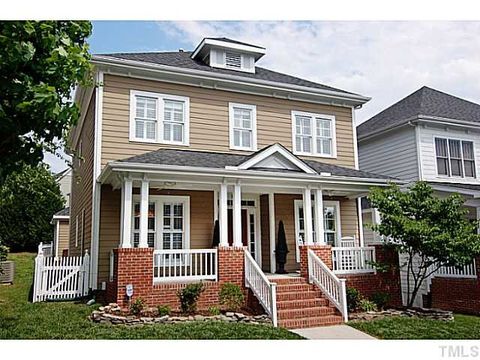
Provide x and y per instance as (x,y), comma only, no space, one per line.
(275,157)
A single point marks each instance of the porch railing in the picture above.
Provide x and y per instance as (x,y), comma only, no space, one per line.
(185,265)
(264,290)
(468,271)
(332,287)
(353,260)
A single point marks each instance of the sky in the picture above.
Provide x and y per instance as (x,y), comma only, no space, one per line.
(385,60)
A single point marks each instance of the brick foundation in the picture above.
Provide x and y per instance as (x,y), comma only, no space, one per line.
(457,294)
(324,252)
(135,266)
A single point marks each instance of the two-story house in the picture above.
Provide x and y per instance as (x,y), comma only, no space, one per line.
(434,137)
(172,143)
(61,219)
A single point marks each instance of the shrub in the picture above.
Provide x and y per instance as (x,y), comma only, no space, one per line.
(188,297)
(3,252)
(353,298)
(214,310)
(137,306)
(380,299)
(367,305)
(164,310)
(231,295)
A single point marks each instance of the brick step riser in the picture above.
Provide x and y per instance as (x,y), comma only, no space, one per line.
(292,314)
(286,296)
(298,304)
(289,281)
(295,288)
(311,322)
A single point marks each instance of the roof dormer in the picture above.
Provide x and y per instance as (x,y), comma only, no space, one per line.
(228,54)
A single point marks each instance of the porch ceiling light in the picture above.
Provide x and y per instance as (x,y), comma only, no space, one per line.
(323,173)
(169,183)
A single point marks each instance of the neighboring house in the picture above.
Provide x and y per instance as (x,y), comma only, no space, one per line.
(171,142)
(61,220)
(434,137)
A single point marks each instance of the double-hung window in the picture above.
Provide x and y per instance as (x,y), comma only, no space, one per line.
(243,134)
(313,134)
(455,157)
(151,225)
(159,118)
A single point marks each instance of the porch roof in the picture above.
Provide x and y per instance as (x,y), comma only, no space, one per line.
(217,160)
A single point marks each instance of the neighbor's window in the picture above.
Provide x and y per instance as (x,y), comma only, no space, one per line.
(455,157)
(159,118)
(242,126)
(313,134)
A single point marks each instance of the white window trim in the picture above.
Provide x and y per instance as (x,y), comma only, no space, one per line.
(160,118)
(76,231)
(253,109)
(137,200)
(159,200)
(435,137)
(298,203)
(314,134)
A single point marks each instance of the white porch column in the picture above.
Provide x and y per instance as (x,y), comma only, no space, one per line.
(307,215)
(319,222)
(237,215)
(143,243)
(360,222)
(126,230)
(223,217)
(271,223)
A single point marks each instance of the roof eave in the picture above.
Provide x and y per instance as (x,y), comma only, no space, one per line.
(132,65)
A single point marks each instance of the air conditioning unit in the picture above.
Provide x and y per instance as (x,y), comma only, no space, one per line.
(7,272)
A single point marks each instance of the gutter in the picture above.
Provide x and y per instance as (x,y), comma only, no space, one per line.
(200,74)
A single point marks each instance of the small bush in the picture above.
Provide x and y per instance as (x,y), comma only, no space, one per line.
(214,310)
(188,297)
(137,306)
(231,296)
(380,299)
(3,252)
(164,310)
(353,299)
(367,305)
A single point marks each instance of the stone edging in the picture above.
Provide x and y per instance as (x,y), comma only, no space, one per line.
(432,314)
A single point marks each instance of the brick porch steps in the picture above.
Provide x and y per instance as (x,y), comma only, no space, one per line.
(301,305)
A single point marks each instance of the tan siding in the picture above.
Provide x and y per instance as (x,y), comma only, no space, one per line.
(63,236)
(201,222)
(209,119)
(265,230)
(349,218)
(82,182)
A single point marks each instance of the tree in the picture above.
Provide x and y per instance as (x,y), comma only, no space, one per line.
(428,228)
(28,200)
(281,249)
(40,64)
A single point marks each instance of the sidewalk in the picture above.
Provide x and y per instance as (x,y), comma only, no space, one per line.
(335,332)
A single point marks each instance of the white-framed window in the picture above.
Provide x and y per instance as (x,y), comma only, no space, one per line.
(243,126)
(313,134)
(454,157)
(159,118)
(331,223)
(168,222)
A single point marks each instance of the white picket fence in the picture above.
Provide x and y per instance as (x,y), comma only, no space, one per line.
(60,278)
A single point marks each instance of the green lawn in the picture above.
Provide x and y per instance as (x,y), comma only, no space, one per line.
(463,327)
(20,319)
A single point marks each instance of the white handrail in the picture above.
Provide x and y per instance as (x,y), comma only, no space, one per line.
(353,259)
(264,290)
(332,287)
(185,264)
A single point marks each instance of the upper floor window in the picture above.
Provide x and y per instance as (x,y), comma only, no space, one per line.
(159,118)
(243,134)
(313,134)
(455,157)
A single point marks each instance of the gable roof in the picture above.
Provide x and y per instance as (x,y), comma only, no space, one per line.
(182,59)
(426,102)
(62,213)
(224,39)
(219,160)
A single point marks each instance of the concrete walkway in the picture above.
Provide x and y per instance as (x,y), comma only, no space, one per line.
(333,332)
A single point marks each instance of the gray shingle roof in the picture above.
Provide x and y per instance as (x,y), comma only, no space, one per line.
(63,212)
(183,60)
(220,160)
(233,41)
(425,101)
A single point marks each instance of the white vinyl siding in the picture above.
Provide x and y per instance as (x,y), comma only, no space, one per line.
(159,118)
(313,134)
(392,154)
(243,123)
(449,154)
